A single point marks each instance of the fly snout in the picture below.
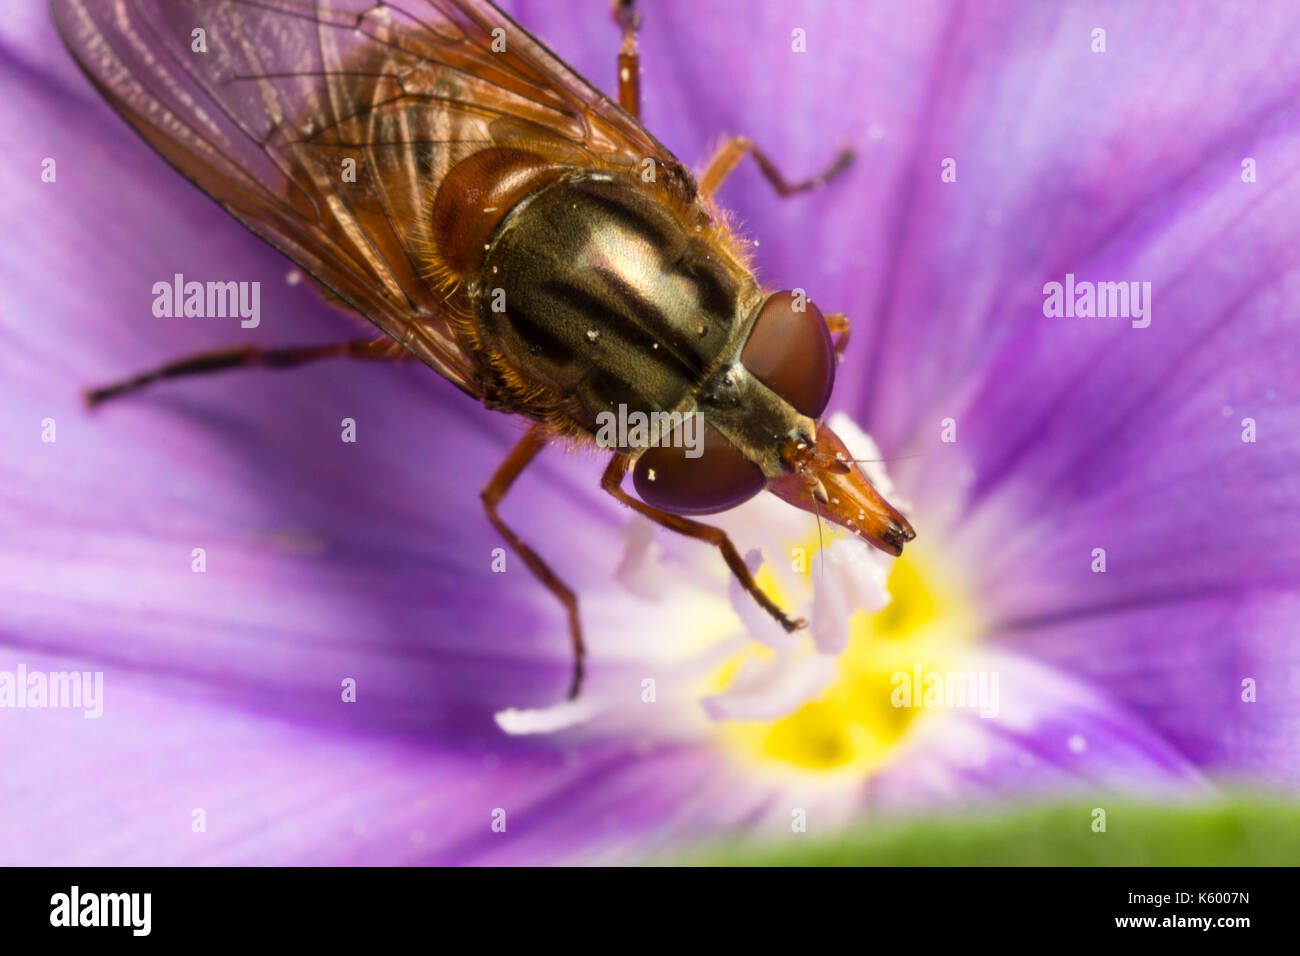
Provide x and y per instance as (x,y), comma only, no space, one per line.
(827,482)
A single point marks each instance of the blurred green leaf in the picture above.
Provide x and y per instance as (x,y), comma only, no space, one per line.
(1236,831)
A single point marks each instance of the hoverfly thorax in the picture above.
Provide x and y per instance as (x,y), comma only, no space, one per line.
(586,290)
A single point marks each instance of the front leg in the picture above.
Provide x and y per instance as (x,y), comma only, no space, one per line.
(838,323)
(612,482)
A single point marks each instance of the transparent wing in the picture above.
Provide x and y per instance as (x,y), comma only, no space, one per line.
(262,103)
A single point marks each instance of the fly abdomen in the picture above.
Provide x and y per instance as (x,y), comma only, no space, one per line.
(599,291)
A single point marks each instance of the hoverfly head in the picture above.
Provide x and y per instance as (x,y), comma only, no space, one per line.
(825,481)
(790,351)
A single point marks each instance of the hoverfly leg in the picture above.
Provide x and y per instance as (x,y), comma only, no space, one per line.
(247,356)
(730,153)
(838,323)
(629,60)
(519,458)
(612,482)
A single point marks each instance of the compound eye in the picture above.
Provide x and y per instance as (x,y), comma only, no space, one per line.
(718,479)
(790,351)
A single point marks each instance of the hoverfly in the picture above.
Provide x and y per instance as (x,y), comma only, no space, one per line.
(498,225)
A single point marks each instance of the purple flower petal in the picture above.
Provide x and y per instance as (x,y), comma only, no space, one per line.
(1083,434)
(372,560)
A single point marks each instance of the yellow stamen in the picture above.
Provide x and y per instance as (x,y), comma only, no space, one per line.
(855,726)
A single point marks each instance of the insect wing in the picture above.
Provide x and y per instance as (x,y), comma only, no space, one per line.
(263,103)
